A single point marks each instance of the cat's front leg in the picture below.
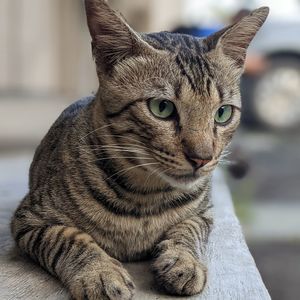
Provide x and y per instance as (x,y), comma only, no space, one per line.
(75,258)
(178,266)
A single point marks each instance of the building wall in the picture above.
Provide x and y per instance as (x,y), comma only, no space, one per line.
(45,45)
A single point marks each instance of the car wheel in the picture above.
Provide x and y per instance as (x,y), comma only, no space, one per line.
(276,94)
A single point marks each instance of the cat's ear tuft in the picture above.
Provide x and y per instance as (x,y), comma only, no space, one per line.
(112,38)
(235,39)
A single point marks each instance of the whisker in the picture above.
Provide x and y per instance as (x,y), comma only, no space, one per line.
(102,127)
(226,162)
(155,171)
(122,146)
(152,173)
(128,169)
(125,137)
(225,152)
(119,157)
(163,172)
(113,145)
(122,150)
(116,149)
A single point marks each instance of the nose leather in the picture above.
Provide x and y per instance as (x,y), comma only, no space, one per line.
(197,162)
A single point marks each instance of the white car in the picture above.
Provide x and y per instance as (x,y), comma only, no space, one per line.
(273,98)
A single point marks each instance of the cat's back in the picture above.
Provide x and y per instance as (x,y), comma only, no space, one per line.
(46,159)
(73,110)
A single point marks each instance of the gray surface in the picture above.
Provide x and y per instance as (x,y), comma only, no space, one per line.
(277,36)
(232,271)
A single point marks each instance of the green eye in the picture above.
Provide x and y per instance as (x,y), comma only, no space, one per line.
(161,108)
(224,114)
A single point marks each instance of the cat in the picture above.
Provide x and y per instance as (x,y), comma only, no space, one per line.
(126,174)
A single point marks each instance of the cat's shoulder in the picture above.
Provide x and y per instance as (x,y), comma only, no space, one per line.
(71,111)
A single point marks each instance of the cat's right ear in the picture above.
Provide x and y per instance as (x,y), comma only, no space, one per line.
(112,38)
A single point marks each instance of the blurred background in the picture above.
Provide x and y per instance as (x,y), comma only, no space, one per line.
(46,64)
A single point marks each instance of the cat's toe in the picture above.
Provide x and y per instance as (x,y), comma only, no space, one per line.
(180,273)
(116,285)
(108,283)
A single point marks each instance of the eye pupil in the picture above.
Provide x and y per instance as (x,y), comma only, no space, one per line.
(221,112)
(162,106)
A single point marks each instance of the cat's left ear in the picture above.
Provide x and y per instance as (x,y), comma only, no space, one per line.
(112,38)
(235,39)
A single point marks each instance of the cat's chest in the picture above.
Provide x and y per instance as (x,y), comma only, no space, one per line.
(128,237)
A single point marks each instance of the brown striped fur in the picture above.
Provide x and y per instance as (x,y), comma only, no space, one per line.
(112,182)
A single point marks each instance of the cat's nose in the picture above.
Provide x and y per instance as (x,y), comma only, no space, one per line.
(198,162)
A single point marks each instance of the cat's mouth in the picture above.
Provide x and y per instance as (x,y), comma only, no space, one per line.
(185,181)
(185,177)
(192,175)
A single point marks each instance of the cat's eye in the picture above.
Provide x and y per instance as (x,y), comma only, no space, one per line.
(224,114)
(162,108)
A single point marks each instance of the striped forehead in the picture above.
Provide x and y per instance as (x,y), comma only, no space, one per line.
(195,70)
(174,42)
(190,58)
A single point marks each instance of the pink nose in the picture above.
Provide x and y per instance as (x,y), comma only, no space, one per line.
(200,162)
(197,162)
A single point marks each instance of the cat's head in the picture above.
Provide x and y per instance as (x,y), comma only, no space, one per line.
(176,97)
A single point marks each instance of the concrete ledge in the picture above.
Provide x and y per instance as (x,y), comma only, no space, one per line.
(232,270)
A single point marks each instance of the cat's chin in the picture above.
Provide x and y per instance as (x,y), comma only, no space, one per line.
(185,182)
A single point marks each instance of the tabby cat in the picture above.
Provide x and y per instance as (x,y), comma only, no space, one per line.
(126,174)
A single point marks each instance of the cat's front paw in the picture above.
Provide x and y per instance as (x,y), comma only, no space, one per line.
(179,272)
(104,281)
